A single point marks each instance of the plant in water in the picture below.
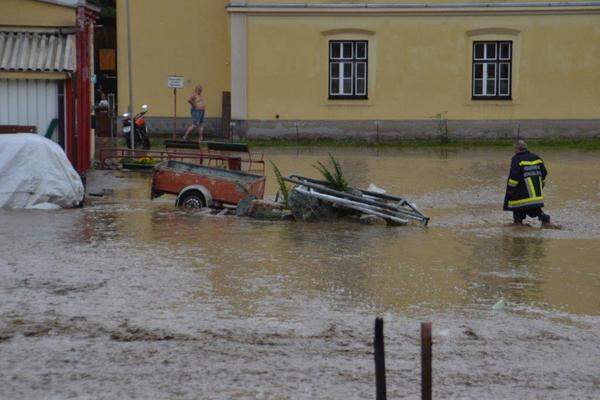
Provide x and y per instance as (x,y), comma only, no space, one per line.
(334,178)
(283,189)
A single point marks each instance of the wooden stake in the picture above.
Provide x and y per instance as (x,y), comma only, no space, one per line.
(379,360)
(426,360)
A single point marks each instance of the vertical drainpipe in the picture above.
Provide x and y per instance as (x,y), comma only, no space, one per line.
(81,71)
(92,96)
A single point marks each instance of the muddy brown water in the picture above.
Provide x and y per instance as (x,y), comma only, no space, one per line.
(131,298)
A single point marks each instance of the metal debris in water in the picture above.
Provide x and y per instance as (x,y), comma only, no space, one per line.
(395,210)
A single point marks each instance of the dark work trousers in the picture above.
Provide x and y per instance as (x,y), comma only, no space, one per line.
(520,214)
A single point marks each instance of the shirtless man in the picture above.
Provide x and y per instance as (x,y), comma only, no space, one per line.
(197,102)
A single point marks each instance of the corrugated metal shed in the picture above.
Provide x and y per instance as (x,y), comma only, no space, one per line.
(34,51)
(29,102)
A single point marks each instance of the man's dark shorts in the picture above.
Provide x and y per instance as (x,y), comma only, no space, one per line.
(520,214)
(197,116)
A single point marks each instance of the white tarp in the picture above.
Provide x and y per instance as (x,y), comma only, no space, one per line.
(35,173)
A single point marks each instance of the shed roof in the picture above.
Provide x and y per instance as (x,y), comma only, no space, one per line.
(35,51)
(68,3)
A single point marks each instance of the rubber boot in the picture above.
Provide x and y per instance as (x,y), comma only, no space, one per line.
(545,218)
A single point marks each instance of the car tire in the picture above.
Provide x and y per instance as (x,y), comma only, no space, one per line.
(191,200)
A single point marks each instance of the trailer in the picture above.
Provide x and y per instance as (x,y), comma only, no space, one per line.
(198,186)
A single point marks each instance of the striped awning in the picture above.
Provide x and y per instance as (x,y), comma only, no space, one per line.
(35,51)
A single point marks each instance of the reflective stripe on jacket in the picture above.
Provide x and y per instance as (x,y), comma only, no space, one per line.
(525,182)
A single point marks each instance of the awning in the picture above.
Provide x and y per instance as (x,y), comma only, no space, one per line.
(38,52)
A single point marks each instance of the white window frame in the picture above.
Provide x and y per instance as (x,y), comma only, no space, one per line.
(486,61)
(508,79)
(363,78)
(342,61)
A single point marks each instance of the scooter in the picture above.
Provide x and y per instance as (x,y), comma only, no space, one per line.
(140,132)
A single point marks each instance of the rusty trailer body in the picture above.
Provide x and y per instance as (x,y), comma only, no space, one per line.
(199,186)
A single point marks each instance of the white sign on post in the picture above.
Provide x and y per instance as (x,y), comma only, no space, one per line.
(175,82)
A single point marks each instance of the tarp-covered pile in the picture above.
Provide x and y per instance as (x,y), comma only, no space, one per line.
(35,173)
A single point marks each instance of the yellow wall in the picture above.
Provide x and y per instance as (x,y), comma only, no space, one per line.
(420,66)
(179,37)
(35,13)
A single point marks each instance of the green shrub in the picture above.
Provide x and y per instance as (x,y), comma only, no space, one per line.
(335,179)
(283,189)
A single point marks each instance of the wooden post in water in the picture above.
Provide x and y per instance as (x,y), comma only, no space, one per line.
(426,360)
(379,360)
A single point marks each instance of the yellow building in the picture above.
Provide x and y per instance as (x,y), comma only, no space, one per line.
(365,68)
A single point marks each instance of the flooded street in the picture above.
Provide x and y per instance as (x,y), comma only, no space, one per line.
(131,298)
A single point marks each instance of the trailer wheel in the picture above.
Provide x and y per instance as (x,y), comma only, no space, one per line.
(191,200)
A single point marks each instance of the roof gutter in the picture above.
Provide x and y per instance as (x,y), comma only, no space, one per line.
(381,8)
(63,30)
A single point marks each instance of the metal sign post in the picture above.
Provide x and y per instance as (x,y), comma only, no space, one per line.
(174,111)
(175,82)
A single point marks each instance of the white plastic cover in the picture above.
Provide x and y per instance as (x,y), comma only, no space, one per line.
(35,173)
(375,189)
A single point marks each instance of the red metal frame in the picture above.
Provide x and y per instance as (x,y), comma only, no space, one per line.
(116,154)
(79,93)
(70,149)
(250,160)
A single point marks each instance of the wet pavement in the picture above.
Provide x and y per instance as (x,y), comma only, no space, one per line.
(131,298)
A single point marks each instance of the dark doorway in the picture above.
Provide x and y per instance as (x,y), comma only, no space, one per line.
(105,67)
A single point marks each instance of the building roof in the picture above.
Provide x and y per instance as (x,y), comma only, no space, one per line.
(37,51)
(73,4)
(68,3)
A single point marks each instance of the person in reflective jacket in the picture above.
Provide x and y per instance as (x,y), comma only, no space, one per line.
(524,188)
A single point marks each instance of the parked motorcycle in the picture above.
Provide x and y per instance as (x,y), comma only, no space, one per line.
(140,132)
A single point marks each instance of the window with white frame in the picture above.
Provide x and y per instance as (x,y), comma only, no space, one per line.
(348,68)
(492,70)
